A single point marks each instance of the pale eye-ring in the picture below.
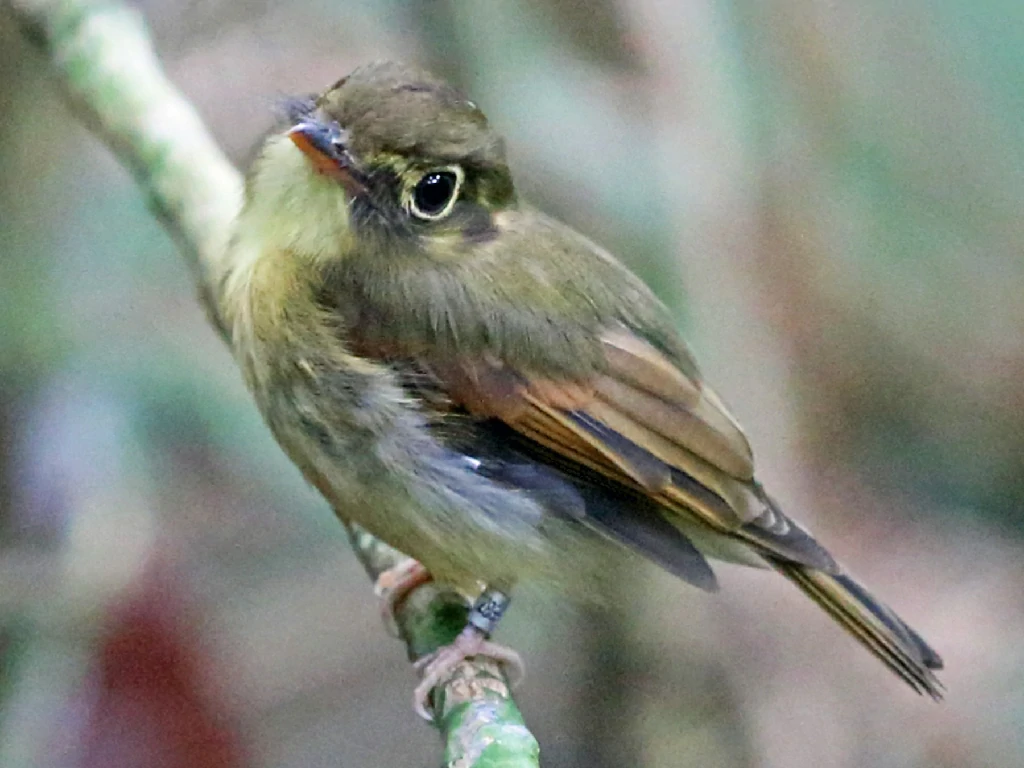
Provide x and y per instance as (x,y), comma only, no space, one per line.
(434,195)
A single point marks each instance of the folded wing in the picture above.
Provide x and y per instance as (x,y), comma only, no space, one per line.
(645,421)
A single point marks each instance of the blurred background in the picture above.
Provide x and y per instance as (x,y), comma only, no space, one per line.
(827,193)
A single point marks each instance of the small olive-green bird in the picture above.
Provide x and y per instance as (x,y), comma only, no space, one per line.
(480,385)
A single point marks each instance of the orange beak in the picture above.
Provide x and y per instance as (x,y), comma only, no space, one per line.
(324,145)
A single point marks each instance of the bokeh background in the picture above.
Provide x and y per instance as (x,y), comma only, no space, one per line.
(829,194)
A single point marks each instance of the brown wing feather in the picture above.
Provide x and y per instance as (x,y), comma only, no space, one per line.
(643,383)
(642,365)
(648,423)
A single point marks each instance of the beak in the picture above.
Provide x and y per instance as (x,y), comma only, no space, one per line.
(324,145)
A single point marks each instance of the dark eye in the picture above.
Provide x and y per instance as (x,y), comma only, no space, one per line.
(435,193)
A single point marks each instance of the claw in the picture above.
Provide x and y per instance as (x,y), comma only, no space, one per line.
(394,585)
(438,667)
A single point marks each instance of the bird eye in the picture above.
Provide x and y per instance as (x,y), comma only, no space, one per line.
(435,193)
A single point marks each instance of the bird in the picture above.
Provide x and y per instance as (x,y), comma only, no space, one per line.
(483,387)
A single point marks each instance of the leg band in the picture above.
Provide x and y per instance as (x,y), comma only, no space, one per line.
(488,610)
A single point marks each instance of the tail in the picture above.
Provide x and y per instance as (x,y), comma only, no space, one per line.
(877,628)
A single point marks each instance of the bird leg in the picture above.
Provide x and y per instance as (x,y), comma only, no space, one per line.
(472,641)
(394,585)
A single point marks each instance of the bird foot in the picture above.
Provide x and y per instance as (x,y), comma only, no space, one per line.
(439,666)
(394,585)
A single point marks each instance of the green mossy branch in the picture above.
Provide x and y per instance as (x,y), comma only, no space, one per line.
(106,66)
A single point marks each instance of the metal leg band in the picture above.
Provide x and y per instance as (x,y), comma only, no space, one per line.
(488,610)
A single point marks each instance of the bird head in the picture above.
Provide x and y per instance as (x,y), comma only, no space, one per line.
(389,158)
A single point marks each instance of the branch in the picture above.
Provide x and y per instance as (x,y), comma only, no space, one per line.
(110,76)
(479,721)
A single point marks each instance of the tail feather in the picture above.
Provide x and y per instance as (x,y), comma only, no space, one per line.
(876,627)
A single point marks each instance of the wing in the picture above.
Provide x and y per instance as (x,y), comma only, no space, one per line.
(642,451)
(648,423)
